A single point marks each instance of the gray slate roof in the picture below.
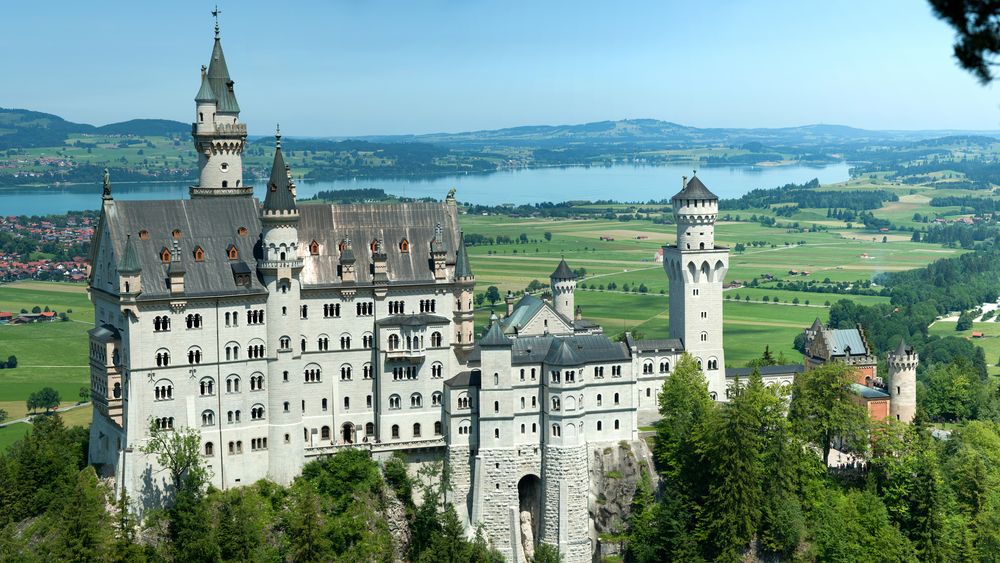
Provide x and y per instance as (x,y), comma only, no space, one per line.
(362,223)
(205,93)
(462,267)
(494,337)
(586,348)
(129,263)
(695,189)
(524,310)
(105,333)
(838,341)
(211,223)
(868,392)
(421,319)
(222,84)
(903,349)
(563,272)
(465,379)
(279,190)
(659,345)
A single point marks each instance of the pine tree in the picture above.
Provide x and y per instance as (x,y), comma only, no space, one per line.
(304,526)
(83,529)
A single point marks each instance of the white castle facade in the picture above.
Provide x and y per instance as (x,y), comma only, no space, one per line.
(283,332)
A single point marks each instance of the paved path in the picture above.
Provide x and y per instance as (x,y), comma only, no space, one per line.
(27,419)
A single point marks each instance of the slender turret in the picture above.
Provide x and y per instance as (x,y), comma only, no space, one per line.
(902,366)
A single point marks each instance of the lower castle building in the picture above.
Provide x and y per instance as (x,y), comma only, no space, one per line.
(283,331)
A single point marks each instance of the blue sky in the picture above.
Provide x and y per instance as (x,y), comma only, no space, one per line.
(379,67)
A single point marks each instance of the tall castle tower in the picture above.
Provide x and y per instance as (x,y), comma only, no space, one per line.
(563,282)
(696,268)
(902,382)
(219,136)
(279,264)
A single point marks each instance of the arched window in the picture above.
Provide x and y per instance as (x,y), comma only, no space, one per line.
(194,355)
(555,403)
(463,400)
(393,342)
(647,366)
(366,371)
(436,398)
(394,401)
(232,252)
(324,433)
(437,370)
(345,372)
(163,390)
(496,433)
(616,398)
(436,339)
(416,429)
(416,400)
(404,245)
(704,337)
(257,382)
(345,342)
(312,374)
(496,406)
(285,343)
(599,425)
(233,384)
(555,430)
(314,248)
(206,387)
(437,427)
(664,366)
(165,255)
(395,431)
(366,340)
(617,425)
(369,429)
(207,418)
(199,254)
(162,357)
(257,412)
(209,449)
(713,364)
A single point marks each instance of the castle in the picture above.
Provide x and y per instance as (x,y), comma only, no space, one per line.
(283,332)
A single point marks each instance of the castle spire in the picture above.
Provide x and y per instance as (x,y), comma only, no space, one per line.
(280,197)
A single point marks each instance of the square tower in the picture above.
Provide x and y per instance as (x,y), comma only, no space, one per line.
(696,269)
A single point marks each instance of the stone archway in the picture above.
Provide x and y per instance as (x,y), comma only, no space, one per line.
(529,500)
(347,432)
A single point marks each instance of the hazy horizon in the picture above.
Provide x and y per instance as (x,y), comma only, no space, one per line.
(347,69)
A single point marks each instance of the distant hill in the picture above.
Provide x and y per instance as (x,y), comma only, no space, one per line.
(25,128)
(669,134)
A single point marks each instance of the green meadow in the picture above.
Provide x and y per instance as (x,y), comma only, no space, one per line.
(53,354)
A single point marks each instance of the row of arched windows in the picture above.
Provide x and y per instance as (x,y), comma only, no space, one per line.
(313,375)
(331,310)
(165,423)
(400,373)
(194,356)
(163,391)
(161,324)
(416,430)
(365,308)
(397,307)
(193,320)
(255,351)
(428,305)
(255,317)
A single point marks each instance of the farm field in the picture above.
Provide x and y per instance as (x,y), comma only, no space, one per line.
(48,354)
(989,342)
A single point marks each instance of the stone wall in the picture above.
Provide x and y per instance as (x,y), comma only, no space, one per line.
(565,521)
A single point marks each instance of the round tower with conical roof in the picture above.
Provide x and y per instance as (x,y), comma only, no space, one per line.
(563,282)
(696,269)
(219,135)
(902,366)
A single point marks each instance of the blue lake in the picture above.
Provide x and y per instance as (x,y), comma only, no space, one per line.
(622,183)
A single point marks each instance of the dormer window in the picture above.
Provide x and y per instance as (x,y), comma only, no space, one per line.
(404,245)
(314,248)
(144,235)
(232,252)
(176,234)
(242,231)
(165,255)
(199,254)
